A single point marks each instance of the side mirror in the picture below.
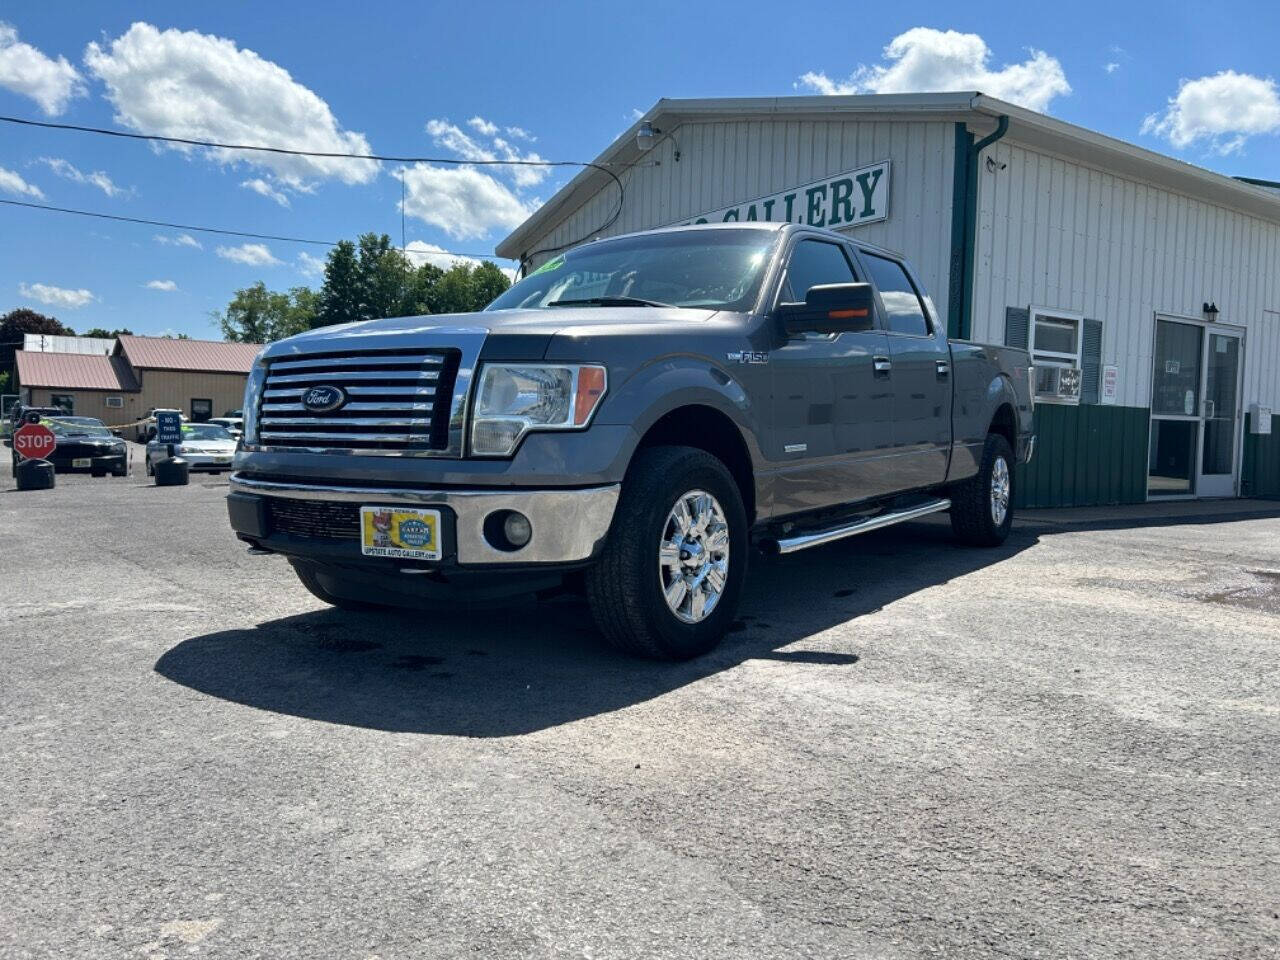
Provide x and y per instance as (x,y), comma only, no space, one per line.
(831,308)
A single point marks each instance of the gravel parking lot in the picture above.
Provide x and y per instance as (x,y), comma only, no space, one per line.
(1063,748)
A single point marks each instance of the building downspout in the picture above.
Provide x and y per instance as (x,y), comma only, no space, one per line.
(964,226)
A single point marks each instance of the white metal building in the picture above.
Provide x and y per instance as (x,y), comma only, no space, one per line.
(1148,289)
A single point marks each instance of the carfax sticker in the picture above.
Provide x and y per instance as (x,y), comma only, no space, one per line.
(413,534)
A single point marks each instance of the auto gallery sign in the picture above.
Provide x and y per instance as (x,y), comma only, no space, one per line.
(836,202)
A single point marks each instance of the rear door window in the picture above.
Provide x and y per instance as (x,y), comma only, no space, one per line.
(904,311)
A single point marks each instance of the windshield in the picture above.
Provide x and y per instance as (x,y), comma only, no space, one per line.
(204,431)
(76,427)
(705,269)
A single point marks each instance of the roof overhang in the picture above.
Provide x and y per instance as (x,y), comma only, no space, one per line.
(978,111)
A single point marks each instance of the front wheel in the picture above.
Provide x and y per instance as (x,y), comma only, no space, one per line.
(668,582)
(982,506)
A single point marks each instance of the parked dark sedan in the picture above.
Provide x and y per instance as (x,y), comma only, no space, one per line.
(83,443)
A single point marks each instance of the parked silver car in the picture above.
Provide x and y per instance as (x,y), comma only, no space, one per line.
(206,446)
(233,425)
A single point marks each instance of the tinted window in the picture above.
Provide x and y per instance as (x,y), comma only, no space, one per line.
(901,302)
(813,263)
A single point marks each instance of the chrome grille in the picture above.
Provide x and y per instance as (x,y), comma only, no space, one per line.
(395,400)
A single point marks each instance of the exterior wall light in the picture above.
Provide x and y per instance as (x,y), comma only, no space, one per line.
(645,136)
(1211,310)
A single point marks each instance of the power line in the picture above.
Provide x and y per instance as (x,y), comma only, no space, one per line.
(230,233)
(295,152)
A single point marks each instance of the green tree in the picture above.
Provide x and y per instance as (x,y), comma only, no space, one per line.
(14,324)
(259,315)
(382,277)
(339,300)
(106,334)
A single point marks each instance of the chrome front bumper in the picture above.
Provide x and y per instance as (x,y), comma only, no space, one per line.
(568,525)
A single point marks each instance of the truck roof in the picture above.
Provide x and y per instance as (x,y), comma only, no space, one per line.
(762,225)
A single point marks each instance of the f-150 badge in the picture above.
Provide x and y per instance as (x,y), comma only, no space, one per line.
(749,356)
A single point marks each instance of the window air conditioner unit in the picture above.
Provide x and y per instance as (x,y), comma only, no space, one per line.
(1057,383)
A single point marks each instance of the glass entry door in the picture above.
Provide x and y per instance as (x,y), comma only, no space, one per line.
(1220,407)
(1194,411)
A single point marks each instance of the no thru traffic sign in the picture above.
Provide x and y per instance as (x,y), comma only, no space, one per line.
(34,441)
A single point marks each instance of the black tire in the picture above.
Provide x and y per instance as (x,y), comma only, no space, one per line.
(307,576)
(625,587)
(974,513)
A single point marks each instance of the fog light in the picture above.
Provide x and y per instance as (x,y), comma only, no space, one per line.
(517,529)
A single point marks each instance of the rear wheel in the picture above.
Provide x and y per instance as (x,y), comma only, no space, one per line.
(668,582)
(982,506)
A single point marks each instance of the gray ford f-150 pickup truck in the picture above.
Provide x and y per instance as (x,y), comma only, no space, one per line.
(630,419)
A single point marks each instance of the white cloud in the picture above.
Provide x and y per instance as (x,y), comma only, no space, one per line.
(11,182)
(168,286)
(25,70)
(250,254)
(462,201)
(189,84)
(927,60)
(418,253)
(265,189)
(181,240)
(452,137)
(56,296)
(1226,109)
(1111,67)
(482,126)
(97,178)
(310,265)
(520,133)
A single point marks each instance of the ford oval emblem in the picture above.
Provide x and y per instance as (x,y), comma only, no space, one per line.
(323,399)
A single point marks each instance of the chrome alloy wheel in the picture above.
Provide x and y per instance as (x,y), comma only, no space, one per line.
(1000,489)
(693,556)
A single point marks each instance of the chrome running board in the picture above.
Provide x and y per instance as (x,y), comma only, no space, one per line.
(816,539)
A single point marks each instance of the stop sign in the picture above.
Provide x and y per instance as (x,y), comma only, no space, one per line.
(34,441)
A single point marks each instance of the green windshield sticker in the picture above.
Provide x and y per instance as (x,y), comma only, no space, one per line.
(551,264)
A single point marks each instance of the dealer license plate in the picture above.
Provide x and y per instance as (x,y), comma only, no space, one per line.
(82,462)
(390,532)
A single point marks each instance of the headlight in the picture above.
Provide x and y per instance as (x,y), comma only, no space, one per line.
(515,398)
(252,397)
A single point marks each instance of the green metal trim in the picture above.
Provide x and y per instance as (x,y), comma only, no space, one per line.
(964,226)
(1260,467)
(959,229)
(1086,456)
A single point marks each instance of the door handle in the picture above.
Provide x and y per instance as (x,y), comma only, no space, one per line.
(944,369)
(882,366)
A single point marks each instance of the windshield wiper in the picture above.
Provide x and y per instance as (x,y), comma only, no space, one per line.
(608,302)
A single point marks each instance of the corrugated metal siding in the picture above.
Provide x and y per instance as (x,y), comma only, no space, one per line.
(722,163)
(1260,472)
(1059,234)
(1086,456)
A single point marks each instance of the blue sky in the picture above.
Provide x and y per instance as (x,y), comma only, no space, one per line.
(555,81)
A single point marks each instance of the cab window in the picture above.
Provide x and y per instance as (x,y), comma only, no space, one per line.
(904,313)
(815,262)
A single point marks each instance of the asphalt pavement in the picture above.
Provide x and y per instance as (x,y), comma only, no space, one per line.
(1066,747)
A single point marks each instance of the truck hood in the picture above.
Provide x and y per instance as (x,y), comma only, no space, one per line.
(439,328)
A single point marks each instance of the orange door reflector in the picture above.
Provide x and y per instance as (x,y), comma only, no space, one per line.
(846,314)
(590,390)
